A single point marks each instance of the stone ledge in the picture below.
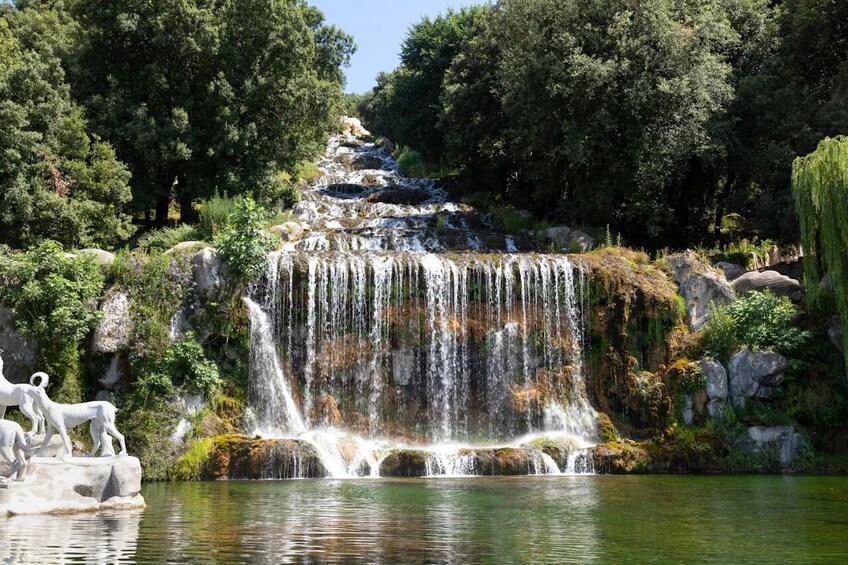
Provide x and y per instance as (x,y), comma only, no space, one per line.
(75,485)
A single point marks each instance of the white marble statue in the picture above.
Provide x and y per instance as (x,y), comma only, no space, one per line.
(14,448)
(16,395)
(62,417)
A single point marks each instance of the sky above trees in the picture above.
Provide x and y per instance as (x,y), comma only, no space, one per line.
(379,28)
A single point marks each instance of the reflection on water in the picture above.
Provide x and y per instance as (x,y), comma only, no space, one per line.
(520,520)
(108,537)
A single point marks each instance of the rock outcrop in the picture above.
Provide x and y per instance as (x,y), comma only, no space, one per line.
(112,333)
(208,272)
(783,440)
(731,271)
(716,385)
(17,350)
(754,375)
(104,258)
(353,127)
(700,286)
(289,231)
(566,239)
(779,284)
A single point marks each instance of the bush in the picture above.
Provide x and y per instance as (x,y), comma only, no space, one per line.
(54,297)
(214,215)
(165,238)
(187,359)
(244,245)
(411,163)
(759,320)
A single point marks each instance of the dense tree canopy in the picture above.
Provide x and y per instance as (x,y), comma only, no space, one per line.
(202,96)
(656,118)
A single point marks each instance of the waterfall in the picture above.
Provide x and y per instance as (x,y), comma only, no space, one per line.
(402,317)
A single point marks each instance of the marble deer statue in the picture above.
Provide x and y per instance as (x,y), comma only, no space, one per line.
(14,448)
(16,395)
(62,417)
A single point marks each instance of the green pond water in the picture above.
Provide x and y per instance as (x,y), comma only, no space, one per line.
(600,519)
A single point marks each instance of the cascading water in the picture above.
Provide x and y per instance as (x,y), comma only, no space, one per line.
(400,318)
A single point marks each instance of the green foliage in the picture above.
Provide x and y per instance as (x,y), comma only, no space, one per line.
(759,320)
(54,296)
(244,244)
(158,285)
(188,360)
(214,215)
(820,184)
(411,163)
(202,97)
(190,465)
(165,238)
(56,180)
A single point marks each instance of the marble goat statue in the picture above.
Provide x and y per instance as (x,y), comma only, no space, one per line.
(62,417)
(14,448)
(16,395)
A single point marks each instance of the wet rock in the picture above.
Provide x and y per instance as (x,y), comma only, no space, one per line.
(403,361)
(767,280)
(112,333)
(405,463)
(367,161)
(621,458)
(688,411)
(353,126)
(836,334)
(699,285)
(346,189)
(289,231)
(731,270)
(104,258)
(243,458)
(782,439)
(754,375)
(404,197)
(185,247)
(18,351)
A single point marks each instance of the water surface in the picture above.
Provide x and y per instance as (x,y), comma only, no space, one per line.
(598,519)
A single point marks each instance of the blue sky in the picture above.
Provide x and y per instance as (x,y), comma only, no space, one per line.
(379,27)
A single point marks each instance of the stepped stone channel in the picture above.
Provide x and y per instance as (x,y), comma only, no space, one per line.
(402,335)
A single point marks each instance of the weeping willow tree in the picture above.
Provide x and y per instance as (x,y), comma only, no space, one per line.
(820,185)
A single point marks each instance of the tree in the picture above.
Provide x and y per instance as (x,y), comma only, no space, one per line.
(820,186)
(202,96)
(56,180)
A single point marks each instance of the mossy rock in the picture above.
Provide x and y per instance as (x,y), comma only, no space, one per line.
(404,463)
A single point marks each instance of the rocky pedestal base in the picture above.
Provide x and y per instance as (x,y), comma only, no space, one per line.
(74,485)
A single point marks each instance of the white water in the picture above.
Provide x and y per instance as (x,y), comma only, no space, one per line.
(413,324)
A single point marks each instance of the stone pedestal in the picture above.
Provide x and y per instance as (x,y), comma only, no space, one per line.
(74,485)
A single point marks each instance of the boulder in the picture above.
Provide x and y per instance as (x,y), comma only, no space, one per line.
(186,247)
(767,280)
(208,272)
(405,463)
(353,126)
(836,334)
(716,385)
(17,350)
(112,333)
(567,239)
(585,241)
(406,197)
(104,258)
(367,161)
(754,375)
(731,271)
(241,458)
(61,485)
(700,286)
(289,231)
(783,439)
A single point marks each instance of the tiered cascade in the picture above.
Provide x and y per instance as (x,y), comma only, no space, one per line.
(403,320)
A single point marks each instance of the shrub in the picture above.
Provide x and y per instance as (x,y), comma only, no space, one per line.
(411,163)
(187,359)
(759,320)
(54,297)
(244,245)
(214,215)
(165,238)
